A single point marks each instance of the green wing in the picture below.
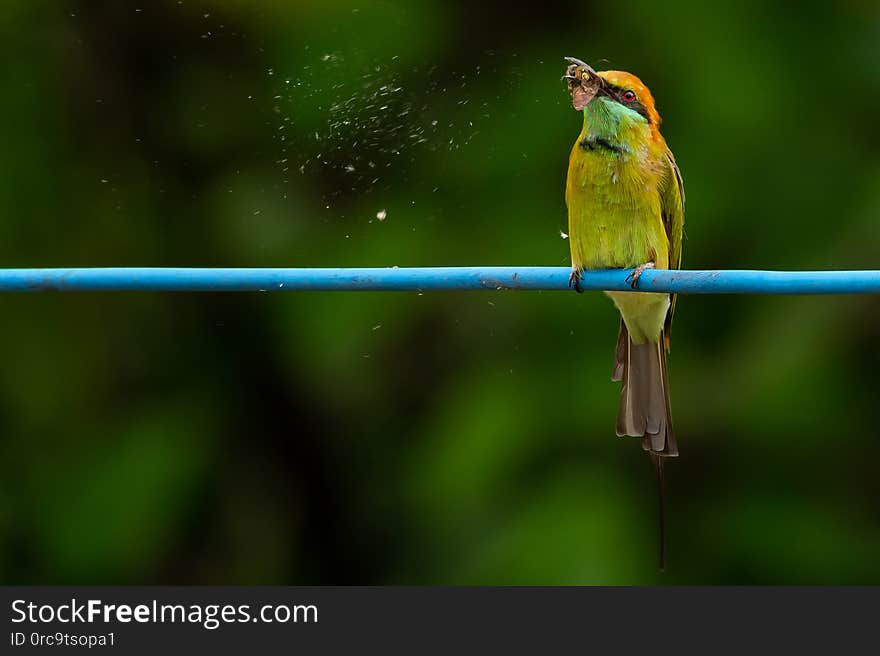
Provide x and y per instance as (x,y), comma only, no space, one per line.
(672,209)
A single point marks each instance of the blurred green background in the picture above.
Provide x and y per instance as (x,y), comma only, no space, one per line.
(443,438)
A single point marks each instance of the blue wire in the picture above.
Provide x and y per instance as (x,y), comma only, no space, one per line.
(435,279)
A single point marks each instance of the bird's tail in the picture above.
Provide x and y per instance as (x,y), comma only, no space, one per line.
(644,410)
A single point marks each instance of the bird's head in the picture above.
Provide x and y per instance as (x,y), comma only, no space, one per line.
(622,93)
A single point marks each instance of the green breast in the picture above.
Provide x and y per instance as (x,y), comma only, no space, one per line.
(614,217)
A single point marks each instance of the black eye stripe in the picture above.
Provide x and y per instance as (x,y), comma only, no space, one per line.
(617,94)
(641,109)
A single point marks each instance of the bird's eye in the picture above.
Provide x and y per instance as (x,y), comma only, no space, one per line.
(628,96)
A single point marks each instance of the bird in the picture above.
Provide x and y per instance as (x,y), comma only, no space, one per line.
(625,200)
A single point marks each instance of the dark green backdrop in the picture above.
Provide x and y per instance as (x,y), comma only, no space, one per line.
(437,438)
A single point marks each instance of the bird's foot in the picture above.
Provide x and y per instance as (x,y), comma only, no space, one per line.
(633,277)
(574,280)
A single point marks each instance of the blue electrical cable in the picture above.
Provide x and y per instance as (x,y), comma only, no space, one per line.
(434,279)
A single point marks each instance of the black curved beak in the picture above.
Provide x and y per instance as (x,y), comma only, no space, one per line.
(581,64)
(576,69)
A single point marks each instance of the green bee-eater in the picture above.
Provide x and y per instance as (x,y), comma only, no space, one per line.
(626,210)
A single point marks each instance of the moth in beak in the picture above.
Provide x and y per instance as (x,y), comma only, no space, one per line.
(583,82)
